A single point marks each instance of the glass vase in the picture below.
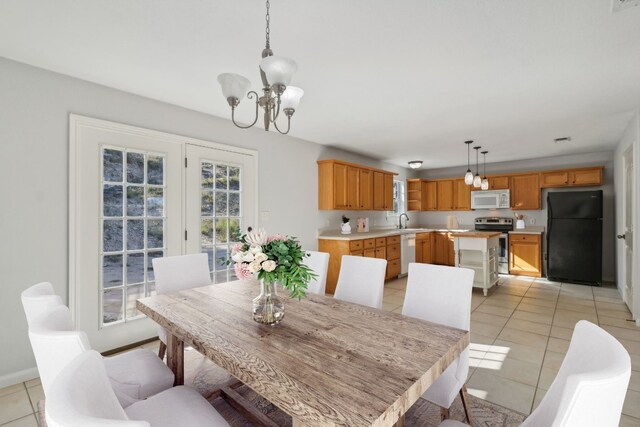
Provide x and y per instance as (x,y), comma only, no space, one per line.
(268,308)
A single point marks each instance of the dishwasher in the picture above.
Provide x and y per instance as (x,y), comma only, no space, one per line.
(407,252)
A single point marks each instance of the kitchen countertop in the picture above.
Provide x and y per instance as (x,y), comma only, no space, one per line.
(477,234)
(533,229)
(384,232)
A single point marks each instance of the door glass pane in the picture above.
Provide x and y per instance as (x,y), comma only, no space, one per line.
(132,241)
(220,211)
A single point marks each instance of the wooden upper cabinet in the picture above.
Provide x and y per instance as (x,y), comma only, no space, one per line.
(462,195)
(445,195)
(365,193)
(388,191)
(378,190)
(430,200)
(414,195)
(525,191)
(348,186)
(571,177)
(498,182)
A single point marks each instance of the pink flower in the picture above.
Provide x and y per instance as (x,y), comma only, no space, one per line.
(242,270)
(236,247)
(276,237)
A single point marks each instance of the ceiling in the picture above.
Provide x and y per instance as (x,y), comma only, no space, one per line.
(396,80)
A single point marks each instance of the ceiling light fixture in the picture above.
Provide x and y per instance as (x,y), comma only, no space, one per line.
(468,177)
(415,164)
(276,73)
(484,184)
(477,181)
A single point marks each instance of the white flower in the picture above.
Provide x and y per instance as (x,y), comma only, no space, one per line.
(254,266)
(255,249)
(237,257)
(257,237)
(260,257)
(247,256)
(269,266)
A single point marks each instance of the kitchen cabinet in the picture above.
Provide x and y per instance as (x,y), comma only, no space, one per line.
(571,177)
(423,248)
(525,254)
(414,195)
(443,252)
(348,186)
(462,195)
(365,190)
(445,195)
(431,202)
(498,182)
(382,247)
(525,191)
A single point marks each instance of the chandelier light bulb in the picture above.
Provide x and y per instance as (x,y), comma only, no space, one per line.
(484,185)
(477,181)
(468,177)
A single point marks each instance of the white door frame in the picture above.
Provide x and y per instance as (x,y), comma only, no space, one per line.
(76,124)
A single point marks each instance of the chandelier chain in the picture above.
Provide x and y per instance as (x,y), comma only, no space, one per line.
(267,30)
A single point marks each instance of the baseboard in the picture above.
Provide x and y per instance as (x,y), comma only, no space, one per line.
(18,377)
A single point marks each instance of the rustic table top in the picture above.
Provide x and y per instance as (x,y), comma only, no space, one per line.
(327,363)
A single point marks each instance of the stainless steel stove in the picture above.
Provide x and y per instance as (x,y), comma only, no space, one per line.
(504,225)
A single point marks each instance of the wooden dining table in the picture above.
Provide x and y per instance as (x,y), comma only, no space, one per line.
(328,362)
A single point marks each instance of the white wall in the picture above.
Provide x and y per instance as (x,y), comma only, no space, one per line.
(34,116)
(631,139)
(605,159)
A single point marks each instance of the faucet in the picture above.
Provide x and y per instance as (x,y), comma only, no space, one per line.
(400,220)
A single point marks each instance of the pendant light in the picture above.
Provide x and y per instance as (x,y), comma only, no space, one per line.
(477,181)
(484,184)
(468,177)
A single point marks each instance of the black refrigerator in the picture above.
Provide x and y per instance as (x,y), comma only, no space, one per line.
(574,237)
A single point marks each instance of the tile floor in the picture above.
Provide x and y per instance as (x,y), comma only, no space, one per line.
(519,336)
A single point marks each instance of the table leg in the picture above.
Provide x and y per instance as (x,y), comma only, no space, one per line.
(400,422)
(175,358)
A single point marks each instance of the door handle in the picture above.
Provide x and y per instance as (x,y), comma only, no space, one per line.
(621,236)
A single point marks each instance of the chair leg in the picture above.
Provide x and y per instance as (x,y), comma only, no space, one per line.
(162,350)
(444,413)
(465,402)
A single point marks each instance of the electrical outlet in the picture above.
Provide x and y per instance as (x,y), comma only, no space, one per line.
(532,221)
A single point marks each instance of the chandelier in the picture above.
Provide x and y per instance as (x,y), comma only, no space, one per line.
(276,73)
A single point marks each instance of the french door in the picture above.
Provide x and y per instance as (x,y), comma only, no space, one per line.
(136,195)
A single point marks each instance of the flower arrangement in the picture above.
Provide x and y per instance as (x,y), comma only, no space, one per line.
(275,258)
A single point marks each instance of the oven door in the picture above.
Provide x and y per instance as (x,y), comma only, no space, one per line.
(503,254)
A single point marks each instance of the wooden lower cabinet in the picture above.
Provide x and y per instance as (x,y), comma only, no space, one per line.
(525,254)
(382,247)
(435,248)
(423,248)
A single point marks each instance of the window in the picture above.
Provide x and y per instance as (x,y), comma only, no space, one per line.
(399,197)
(133,229)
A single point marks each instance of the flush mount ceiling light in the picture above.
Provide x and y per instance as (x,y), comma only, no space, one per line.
(484,184)
(415,164)
(477,181)
(468,177)
(276,73)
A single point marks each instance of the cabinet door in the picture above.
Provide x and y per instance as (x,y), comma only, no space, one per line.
(462,193)
(445,195)
(586,177)
(450,251)
(430,195)
(423,248)
(340,185)
(498,182)
(378,191)
(525,192)
(388,192)
(440,255)
(366,189)
(554,179)
(524,258)
(352,187)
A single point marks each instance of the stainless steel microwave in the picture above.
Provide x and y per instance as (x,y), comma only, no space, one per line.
(494,199)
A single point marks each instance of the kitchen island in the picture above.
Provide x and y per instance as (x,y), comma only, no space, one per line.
(478,250)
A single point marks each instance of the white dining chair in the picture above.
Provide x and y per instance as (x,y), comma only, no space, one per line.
(135,375)
(37,299)
(442,294)
(361,280)
(318,262)
(81,395)
(590,387)
(176,273)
